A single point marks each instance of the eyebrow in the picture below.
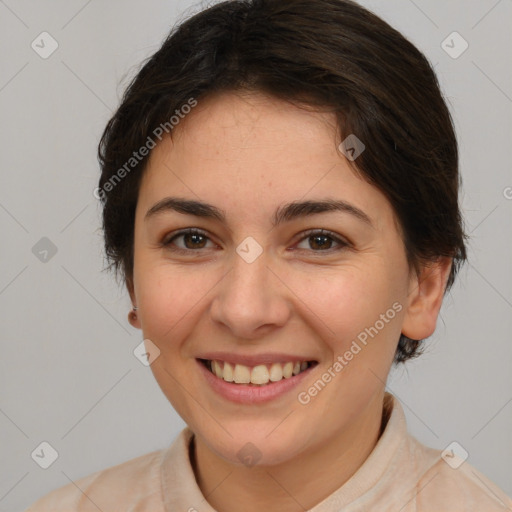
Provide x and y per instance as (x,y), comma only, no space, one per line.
(285,213)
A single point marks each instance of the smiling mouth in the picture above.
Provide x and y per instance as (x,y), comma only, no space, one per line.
(259,375)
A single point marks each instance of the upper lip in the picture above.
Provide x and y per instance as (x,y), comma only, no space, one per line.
(253,360)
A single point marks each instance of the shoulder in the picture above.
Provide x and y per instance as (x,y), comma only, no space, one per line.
(115,488)
(453,485)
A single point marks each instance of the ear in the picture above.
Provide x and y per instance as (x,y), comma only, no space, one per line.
(425,296)
(133,317)
(131,289)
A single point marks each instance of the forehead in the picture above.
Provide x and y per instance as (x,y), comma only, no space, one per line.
(250,153)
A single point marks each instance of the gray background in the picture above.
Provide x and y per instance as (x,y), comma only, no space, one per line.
(68,375)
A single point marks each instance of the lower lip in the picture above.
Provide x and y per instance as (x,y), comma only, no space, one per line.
(250,393)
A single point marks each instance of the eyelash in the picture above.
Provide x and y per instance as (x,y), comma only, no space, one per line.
(307,234)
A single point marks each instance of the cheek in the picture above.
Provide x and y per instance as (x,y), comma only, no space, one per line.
(348,296)
(171,298)
(357,302)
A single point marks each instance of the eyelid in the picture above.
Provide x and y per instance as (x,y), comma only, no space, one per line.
(184,231)
(187,231)
(341,241)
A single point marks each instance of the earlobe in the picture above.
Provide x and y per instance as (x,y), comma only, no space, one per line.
(426,292)
(133,318)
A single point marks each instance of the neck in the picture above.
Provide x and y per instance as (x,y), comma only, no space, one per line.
(297,484)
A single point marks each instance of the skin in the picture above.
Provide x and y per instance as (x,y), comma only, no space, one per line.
(248,154)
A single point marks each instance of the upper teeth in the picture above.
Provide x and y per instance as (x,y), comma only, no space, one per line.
(260,374)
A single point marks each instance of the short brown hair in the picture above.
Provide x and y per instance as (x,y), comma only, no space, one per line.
(328,54)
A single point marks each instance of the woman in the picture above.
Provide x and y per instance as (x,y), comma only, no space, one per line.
(280,196)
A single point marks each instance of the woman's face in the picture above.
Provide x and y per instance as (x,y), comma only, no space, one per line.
(256,292)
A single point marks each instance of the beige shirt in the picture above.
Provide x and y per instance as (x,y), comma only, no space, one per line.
(400,475)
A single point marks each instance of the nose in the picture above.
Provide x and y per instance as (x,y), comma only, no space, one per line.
(251,299)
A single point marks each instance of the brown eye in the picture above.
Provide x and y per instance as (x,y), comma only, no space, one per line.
(322,241)
(192,240)
(196,241)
